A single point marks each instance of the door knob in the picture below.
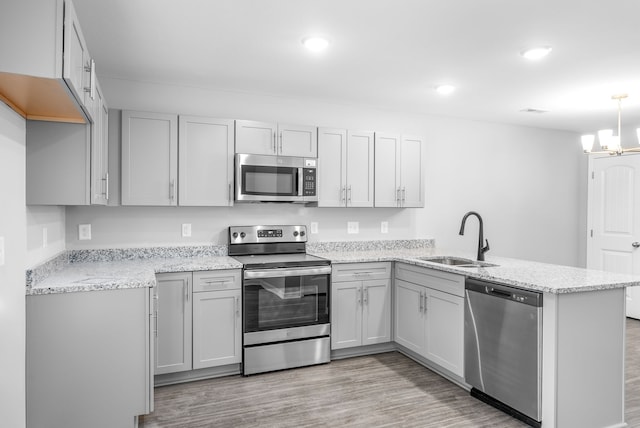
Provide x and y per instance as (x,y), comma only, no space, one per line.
(635,244)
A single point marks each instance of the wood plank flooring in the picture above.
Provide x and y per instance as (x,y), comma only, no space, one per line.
(384,390)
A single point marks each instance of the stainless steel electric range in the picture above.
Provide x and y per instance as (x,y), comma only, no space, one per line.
(285,298)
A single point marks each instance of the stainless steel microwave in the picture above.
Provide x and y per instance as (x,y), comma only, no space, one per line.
(263,178)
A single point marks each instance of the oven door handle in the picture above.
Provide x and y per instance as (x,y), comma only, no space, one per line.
(281,272)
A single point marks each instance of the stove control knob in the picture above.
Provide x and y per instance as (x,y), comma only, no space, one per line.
(295,233)
(235,235)
(302,233)
(242,234)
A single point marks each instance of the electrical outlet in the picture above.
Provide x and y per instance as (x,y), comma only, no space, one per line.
(353,227)
(314,227)
(1,250)
(186,230)
(84,232)
(45,237)
(384,227)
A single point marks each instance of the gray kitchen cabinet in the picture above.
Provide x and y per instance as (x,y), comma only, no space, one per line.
(205,173)
(217,322)
(67,163)
(345,168)
(174,325)
(89,358)
(399,171)
(264,138)
(360,304)
(429,315)
(56,79)
(149,158)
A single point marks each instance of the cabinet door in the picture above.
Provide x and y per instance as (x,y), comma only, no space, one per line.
(75,53)
(332,167)
(387,171)
(376,311)
(409,316)
(217,337)
(359,169)
(297,140)
(149,158)
(411,172)
(258,138)
(445,330)
(206,161)
(99,151)
(346,314)
(173,342)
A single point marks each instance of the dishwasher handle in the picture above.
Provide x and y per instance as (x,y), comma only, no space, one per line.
(501,291)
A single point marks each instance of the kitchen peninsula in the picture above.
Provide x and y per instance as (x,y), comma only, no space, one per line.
(583,312)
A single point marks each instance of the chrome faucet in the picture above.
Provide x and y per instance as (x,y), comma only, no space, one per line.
(481,249)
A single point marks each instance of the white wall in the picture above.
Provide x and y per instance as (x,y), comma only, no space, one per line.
(12,277)
(41,221)
(527,183)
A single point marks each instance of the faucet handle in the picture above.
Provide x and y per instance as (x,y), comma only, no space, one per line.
(486,247)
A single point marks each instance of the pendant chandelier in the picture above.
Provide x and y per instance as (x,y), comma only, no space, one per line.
(609,143)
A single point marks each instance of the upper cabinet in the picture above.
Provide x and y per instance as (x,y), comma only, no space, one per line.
(47,72)
(168,160)
(263,138)
(67,163)
(149,158)
(345,168)
(205,153)
(399,165)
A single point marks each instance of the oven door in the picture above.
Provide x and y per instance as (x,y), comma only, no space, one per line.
(286,303)
(269,178)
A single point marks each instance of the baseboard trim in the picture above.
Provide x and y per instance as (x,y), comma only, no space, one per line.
(199,374)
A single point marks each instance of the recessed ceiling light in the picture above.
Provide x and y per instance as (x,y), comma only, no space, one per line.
(445,89)
(536,53)
(315,43)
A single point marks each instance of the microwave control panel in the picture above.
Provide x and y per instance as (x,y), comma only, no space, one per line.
(308,181)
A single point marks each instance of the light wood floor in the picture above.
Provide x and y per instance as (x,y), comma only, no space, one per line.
(384,390)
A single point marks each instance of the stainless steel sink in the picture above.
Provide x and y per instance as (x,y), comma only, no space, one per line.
(456,261)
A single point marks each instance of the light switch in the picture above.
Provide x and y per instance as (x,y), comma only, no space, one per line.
(314,227)
(84,232)
(353,227)
(1,250)
(384,227)
(186,230)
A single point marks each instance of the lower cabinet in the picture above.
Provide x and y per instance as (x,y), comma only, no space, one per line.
(429,315)
(360,304)
(198,316)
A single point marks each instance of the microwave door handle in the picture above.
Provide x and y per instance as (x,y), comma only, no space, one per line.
(300,181)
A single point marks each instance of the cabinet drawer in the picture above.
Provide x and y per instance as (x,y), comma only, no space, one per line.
(442,281)
(360,271)
(216,280)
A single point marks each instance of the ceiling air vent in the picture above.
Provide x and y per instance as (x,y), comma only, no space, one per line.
(533,110)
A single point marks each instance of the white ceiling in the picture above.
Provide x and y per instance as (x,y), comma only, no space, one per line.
(387,53)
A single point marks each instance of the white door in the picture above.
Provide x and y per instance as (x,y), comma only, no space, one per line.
(216,328)
(332,166)
(411,172)
(409,316)
(173,342)
(346,314)
(614,220)
(386,170)
(445,330)
(376,311)
(298,140)
(257,138)
(359,169)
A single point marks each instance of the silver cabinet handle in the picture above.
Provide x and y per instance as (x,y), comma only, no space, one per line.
(425,302)
(274,143)
(635,244)
(359,296)
(106,181)
(230,195)
(91,69)
(366,295)
(421,307)
(172,185)
(343,191)
(280,149)
(349,195)
(237,306)
(404,196)
(398,196)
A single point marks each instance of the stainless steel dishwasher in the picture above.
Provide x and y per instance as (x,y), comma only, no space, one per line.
(503,348)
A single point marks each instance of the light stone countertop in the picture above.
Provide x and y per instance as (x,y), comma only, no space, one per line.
(111,275)
(535,276)
(97,272)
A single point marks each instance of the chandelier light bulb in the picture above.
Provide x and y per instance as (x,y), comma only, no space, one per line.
(604,137)
(587,142)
